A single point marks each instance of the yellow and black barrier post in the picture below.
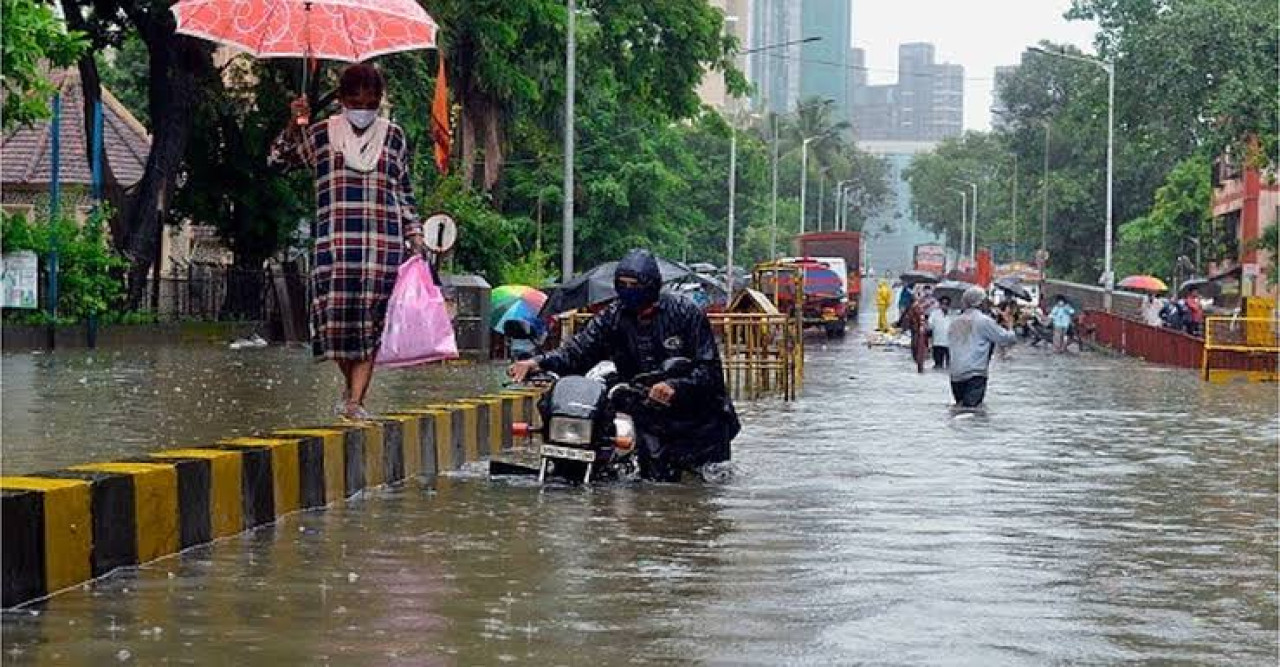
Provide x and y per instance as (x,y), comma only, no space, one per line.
(64,527)
(47,538)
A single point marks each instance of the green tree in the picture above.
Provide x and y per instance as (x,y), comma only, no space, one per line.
(1152,243)
(180,71)
(1193,74)
(32,38)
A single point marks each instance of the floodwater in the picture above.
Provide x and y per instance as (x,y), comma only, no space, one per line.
(81,406)
(1103,511)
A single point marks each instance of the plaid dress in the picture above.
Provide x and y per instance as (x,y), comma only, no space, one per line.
(361,222)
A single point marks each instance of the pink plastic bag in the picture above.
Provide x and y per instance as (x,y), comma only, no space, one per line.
(418,329)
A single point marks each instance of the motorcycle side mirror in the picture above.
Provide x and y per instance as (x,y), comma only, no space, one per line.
(677,367)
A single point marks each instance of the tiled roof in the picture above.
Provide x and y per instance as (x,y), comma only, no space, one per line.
(26,152)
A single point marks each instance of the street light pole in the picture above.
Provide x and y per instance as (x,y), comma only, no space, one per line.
(571,51)
(822,181)
(841,223)
(1109,278)
(973,223)
(964,212)
(1044,201)
(804,177)
(1108,66)
(1013,214)
(773,233)
(973,226)
(733,187)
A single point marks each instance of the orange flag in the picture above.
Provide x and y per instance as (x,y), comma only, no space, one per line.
(440,120)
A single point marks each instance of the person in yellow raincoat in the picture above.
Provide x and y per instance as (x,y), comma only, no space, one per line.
(884,296)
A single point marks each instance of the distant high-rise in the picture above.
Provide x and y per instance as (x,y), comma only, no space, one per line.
(999,110)
(824,67)
(775,72)
(737,22)
(926,104)
(783,75)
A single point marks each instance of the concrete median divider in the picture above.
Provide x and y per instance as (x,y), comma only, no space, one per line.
(64,527)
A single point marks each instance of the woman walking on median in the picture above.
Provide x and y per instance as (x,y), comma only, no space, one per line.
(365,217)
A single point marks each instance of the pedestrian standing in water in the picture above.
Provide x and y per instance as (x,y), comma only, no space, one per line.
(972,338)
(1061,316)
(939,326)
(884,297)
(366,219)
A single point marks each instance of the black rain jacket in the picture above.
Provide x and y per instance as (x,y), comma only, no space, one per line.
(701,421)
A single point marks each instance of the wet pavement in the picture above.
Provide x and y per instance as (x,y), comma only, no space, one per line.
(1103,511)
(81,406)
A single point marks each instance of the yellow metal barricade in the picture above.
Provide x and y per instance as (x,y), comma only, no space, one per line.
(762,353)
(1248,346)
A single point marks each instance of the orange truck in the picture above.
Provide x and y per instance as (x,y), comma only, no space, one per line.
(843,245)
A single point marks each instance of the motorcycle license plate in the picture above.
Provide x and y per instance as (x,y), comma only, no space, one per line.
(557,452)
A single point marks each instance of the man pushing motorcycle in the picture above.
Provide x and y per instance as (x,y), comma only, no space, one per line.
(640,330)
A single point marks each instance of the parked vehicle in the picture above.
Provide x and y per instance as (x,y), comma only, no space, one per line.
(825,301)
(846,246)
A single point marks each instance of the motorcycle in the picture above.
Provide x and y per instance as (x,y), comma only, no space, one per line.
(588,423)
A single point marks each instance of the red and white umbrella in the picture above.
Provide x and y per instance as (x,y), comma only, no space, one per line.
(347,30)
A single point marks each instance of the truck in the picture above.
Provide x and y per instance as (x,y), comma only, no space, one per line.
(930,258)
(844,245)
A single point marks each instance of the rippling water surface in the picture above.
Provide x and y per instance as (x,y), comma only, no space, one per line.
(1103,511)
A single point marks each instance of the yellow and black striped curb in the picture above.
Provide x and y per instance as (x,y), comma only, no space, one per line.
(65,527)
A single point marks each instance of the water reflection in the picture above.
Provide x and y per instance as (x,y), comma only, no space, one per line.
(1103,511)
(77,406)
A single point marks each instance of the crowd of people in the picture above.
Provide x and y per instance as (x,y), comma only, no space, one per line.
(1184,314)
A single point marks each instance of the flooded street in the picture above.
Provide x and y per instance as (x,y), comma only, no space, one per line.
(1104,511)
(78,406)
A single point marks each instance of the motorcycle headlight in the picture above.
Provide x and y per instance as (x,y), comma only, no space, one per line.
(570,431)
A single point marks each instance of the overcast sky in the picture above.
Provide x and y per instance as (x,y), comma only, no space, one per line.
(978,34)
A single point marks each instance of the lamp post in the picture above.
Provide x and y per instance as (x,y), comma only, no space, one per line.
(973,222)
(773,229)
(1108,66)
(964,212)
(839,222)
(804,174)
(822,180)
(571,52)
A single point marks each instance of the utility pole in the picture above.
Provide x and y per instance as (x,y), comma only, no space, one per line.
(1044,201)
(733,190)
(773,233)
(571,52)
(1013,214)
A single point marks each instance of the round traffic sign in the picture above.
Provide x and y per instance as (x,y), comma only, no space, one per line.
(1042,256)
(439,232)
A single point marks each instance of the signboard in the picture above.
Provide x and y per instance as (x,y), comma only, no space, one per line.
(1251,269)
(19,280)
(439,232)
(931,258)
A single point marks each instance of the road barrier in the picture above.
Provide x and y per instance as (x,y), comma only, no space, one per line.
(760,353)
(1241,346)
(64,527)
(1155,344)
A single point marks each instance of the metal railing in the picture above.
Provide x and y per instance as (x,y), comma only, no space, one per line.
(762,354)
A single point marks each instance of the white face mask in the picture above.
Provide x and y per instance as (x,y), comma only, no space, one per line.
(360,118)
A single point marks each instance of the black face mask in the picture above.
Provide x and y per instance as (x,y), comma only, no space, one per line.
(633,299)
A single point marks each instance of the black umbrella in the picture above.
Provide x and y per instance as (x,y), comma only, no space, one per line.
(1013,287)
(918,277)
(596,286)
(1207,288)
(952,289)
